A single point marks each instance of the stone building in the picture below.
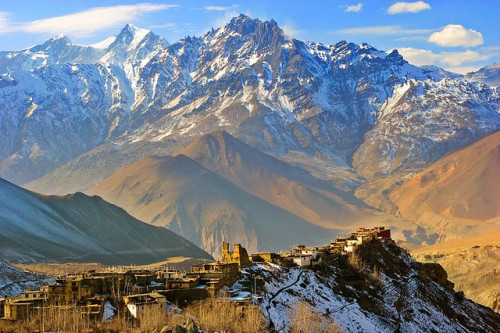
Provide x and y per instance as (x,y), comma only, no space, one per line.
(225,273)
(139,304)
(239,255)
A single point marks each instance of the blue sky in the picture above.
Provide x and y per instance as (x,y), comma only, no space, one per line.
(459,35)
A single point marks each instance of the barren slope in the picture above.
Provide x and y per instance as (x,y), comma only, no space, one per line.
(286,186)
(459,194)
(180,194)
(80,228)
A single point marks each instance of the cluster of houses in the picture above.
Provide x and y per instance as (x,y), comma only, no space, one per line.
(344,245)
(136,289)
(142,290)
(302,255)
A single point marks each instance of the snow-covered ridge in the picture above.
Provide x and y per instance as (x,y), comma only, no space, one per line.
(105,43)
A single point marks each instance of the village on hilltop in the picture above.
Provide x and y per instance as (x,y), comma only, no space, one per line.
(97,294)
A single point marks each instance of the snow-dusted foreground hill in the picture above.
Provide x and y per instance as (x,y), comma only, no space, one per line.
(13,280)
(390,292)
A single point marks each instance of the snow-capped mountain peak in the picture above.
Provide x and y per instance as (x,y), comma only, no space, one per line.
(130,36)
(264,33)
(59,36)
(132,45)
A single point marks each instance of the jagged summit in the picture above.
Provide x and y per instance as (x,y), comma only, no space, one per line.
(132,30)
(61,36)
(59,41)
(130,36)
(244,24)
(264,33)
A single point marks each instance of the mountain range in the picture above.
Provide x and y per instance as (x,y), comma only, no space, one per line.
(241,134)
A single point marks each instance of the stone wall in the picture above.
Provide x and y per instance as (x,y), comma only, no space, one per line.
(239,255)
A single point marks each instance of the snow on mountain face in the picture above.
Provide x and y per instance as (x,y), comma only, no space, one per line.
(424,120)
(306,96)
(104,44)
(489,75)
(54,112)
(57,50)
(13,281)
(301,96)
(132,48)
(280,95)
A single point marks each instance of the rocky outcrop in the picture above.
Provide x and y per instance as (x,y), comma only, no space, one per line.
(14,281)
(472,264)
(436,273)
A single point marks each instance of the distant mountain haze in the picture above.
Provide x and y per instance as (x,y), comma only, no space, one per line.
(220,189)
(80,228)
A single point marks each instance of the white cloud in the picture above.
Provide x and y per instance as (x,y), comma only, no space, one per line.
(408,7)
(491,51)
(458,58)
(4,23)
(381,30)
(219,8)
(354,8)
(419,57)
(456,35)
(89,21)
(290,30)
(447,60)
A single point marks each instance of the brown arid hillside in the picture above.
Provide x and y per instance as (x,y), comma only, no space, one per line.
(472,263)
(288,187)
(182,195)
(219,188)
(458,195)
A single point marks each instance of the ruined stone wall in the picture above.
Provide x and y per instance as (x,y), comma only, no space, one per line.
(239,255)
